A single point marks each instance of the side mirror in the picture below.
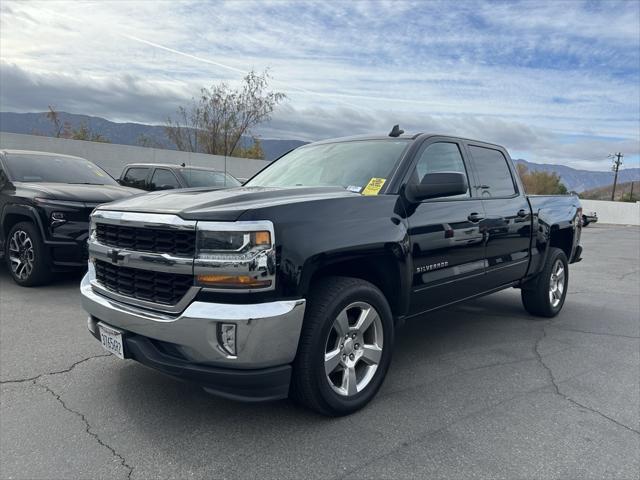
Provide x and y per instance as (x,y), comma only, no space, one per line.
(119,181)
(435,185)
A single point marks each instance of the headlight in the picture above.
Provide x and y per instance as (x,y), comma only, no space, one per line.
(235,256)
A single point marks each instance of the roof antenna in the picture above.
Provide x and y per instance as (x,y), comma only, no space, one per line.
(183,165)
(395,131)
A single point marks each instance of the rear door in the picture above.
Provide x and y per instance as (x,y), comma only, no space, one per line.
(507,223)
(164,179)
(446,242)
(136,177)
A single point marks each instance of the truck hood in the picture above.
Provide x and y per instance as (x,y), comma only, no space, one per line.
(76,193)
(223,205)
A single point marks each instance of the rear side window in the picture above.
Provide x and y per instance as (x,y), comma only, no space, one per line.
(163,178)
(437,158)
(136,177)
(493,172)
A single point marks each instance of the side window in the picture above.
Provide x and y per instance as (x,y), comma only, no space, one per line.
(493,171)
(136,177)
(163,178)
(439,157)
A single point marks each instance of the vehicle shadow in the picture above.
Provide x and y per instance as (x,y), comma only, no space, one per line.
(421,343)
(60,279)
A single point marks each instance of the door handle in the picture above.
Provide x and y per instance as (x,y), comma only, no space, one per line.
(475,217)
(522,213)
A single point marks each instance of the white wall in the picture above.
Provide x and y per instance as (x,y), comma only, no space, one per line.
(114,157)
(619,213)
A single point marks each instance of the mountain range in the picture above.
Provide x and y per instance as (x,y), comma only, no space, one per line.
(128,133)
(154,135)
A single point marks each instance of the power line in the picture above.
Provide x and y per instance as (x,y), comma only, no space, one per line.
(617,162)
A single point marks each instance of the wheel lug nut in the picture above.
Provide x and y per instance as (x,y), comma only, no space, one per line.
(353,336)
(356,346)
(344,357)
(351,356)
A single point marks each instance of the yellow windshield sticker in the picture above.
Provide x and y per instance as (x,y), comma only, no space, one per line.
(374,186)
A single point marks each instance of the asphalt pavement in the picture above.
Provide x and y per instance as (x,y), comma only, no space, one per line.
(479,390)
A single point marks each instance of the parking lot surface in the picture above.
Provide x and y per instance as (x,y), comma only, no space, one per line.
(479,390)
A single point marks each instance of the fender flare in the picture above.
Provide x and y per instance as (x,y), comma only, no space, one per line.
(24,211)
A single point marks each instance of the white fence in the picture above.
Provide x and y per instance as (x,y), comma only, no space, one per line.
(619,213)
(114,157)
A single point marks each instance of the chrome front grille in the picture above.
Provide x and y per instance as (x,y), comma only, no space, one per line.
(143,259)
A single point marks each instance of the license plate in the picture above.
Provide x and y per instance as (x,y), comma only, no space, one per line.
(111,340)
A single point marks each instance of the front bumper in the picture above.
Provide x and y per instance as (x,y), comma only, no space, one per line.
(266,340)
(256,385)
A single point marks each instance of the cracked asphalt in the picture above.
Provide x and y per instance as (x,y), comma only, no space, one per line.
(480,390)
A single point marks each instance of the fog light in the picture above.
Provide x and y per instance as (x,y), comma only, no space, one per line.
(227,337)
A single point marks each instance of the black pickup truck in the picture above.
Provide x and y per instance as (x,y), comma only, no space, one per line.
(294,283)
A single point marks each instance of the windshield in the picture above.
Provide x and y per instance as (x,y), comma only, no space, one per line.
(55,169)
(208,178)
(351,165)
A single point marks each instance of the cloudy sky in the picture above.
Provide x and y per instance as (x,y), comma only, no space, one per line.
(554,82)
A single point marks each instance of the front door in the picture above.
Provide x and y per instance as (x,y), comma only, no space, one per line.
(446,239)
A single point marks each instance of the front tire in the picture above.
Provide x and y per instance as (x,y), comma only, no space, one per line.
(345,347)
(26,255)
(544,296)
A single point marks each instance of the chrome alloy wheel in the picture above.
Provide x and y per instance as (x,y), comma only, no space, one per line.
(557,283)
(21,254)
(354,349)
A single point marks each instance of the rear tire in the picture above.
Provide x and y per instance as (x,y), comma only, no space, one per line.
(345,346)
(544,296)
(26,256)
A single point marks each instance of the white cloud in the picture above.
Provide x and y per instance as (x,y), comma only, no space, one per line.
(551,80)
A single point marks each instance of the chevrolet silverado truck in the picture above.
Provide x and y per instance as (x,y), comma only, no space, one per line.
(293,284)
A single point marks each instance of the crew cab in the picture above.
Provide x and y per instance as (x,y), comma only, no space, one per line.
(45,203)
(159,176)
(295,283)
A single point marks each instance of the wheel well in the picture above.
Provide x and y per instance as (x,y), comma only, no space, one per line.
(380,271)
(563,239)
(10,219)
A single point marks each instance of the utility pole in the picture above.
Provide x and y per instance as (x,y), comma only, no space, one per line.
(631,194)
(617,162)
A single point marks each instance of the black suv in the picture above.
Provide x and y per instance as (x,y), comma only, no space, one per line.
(150,177)
(45,203)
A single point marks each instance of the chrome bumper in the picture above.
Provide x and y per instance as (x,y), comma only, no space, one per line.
(266,333)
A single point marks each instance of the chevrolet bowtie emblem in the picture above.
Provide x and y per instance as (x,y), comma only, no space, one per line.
(115,256)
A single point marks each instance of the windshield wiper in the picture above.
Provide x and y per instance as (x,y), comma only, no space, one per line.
(84,183)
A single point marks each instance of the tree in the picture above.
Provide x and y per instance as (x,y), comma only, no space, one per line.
(54,117)
(83,132)
(540,183)
(218,120)
(64,129)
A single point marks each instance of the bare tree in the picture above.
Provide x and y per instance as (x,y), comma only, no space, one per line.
(218,120)
(54,117)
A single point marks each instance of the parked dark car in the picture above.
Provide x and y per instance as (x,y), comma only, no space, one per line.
(45,203)
(150,177)
(295,283)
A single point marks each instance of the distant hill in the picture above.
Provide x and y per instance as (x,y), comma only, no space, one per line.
(581,180)
(121,133)
(130,133)
(604,193)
